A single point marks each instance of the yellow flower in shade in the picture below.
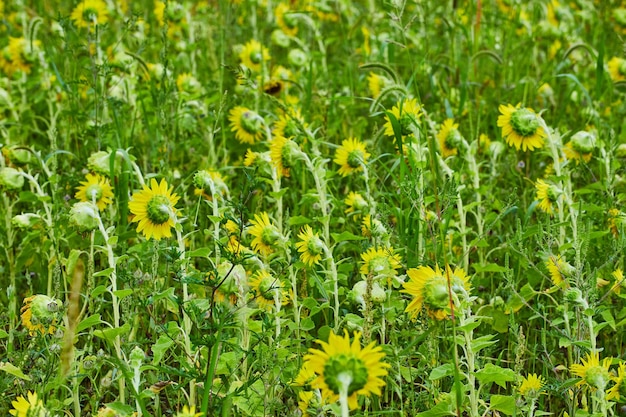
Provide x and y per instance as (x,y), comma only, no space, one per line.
(210,183)
(19,56)
(380,262)
(559,270)
(614,392)
(449,138)
(344,368)
(617,69)
(521,127)
(376,83)
(188,412)
(593,373)
(430,288)
(547,194)
(188,84)
(355,204)
(616,218)
(253,55)
(39,314)
(250,158)
(154,210)
(407,113)
(531,386)
(266,288)
(90,13)
(372,227)
(28,407)
(304,400)
(286,22)
(310,246)
(305,376)
(287,124)
(351,156)
(96,189)
(247,125)
(283,153)
(265,234)
(619,280)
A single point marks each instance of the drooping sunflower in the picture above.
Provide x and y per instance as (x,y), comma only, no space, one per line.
(617,69)
(310,246)
(154,209)
(429,289)
(90,13)
(265,234)
(547,194)
(39,314)
(407,113)
(346,368)
(521,127)
(188,412)
(380,262)
(286,22)
(209,183)
(355,204)
(96,189)
(531,386)
(580,146)
(304,401)
(351,156)
(282,154)
(593,373)
(449,138)
(559,269)
(253,55)
(247,125)
(32,406)
(266,288)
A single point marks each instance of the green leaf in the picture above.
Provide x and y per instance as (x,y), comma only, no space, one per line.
(345,236)
(104,273)
(307,324)
(70,262)
(9,368)
(490,267)
(444,408)
(492,373)
(200,253)
(112,333)
(99,290)
(161,346)
(3,334)
(113,240)
(483,342)
(298,220)
(441,372)
(88,322)
(503,403)
(121,409)
(123,293)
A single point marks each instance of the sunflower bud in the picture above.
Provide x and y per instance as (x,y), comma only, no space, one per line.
(297,58)
(84,216)
(100,162)
(279,38)
(11,178)
(621,150)
(583,142)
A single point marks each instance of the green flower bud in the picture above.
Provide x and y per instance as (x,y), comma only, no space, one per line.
(11,178)
(25,221)
(621,150)
(583,142)
(100,162)
(84,216)
(280,39)
(298,58)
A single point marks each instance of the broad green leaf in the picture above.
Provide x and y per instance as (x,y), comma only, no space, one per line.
(3,334)
(441,372)
(112,333)
(104,273)
(492,373)
(161,346)
(298,220)
(9,368)
(345,236)
(123,293)
(88,322)
(200,253)
(490,267)
(483,342)
(503,403)
(99,290)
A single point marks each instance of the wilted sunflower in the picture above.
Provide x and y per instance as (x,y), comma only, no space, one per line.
(521,127)
(253,55)
(310,246)
(380,262)
(31,407)
(90,13)
(96,189)
(247,125)
(351,156)
(547,194)
(346,368)
(266,288)
(449,138)
(594,374)
(531,386)
(407,113)
(154,210)
(429,288)
(265,234)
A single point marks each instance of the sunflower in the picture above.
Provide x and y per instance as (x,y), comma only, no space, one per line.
(31,407)
(19,56)
(616,218)
(90,13)
(619,280)
(593,374)
(266,288)
(344,368)
(305,376)
(247,125)
(188,412)
(285,20)
(154,210)
(282,154)
(265,234)
(304,401)
(429,288)
(376,83)
(614,392)
(617,69)
(580,146)
(406,113)
(547,194)
(355,204)
(209,183)
(288,124)
(351,156)
(39,314)
(449,138)
(380,262)
(559,270)
(96,189)
(310,246)
(253,54)
(531,385)
(372,227)
(521,127)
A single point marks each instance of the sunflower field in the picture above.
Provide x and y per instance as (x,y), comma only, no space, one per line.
(313,208)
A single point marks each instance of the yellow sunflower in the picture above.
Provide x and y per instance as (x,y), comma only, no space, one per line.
(304,401)
(208,183)
(19,56)
(521,127)
(449,138)
(39,314)
(90,13)
(188,412)
(96,189)
(531,386)
(253,55)
(617,69)
(287,124)
(593,374)
(407,113)
(250,158)
(547,195)
(286,22)
(282,154)
(351,156)
(580,146)
(376,83)
(380,262)
(372,227)
(247,125)
(266,288)
(355,204)
(614,392)
(154,210)
(559,270)
(310,246)
(266,235)
(620,282)
(344,368)
(31,407)
(616,218)
(429,289)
